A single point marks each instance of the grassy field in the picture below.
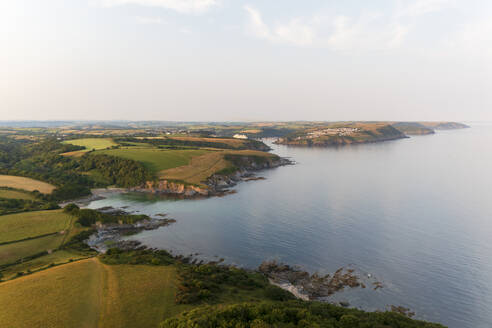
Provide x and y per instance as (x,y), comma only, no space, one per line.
(12,252)
(23,183)
(92,143)
(88,293)
(65,296)
(139,296)
(77,153)
(30,224)
(16,194)
(155,159)
(202,167)
(237,143)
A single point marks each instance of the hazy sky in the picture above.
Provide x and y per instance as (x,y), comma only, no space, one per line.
(246,60)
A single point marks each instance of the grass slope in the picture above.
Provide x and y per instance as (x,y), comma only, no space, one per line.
(31,224)
(23,183)
(202,167)
(155,159)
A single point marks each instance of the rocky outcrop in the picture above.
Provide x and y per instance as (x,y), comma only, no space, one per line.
(245,168)
(306,286)
(173,188)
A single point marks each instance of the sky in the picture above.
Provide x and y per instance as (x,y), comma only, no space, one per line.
(246,60)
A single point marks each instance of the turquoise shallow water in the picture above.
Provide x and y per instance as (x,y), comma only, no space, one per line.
(415,213)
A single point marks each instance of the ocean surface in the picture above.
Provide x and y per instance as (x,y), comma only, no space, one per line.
(414,213)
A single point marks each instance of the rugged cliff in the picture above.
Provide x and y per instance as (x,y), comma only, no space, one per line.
(243,167)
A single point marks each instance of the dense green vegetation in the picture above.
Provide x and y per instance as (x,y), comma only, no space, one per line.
(290,314)
(241,160)
(116,171)
(138,256)
(9,206)
(209,283)
(41,160)
(88,217)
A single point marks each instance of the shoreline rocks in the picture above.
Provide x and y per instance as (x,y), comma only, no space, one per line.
(309,286)
(111,235)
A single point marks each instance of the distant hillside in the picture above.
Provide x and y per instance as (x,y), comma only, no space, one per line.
(444,125)
(413,128)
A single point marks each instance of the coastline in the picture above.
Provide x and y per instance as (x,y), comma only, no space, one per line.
(337,144)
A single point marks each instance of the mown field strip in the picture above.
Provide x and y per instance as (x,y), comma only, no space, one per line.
(16,194)
(23,183)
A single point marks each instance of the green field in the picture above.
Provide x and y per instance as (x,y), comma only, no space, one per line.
(92,143)
(31,224)
(155,159)
(16,194)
